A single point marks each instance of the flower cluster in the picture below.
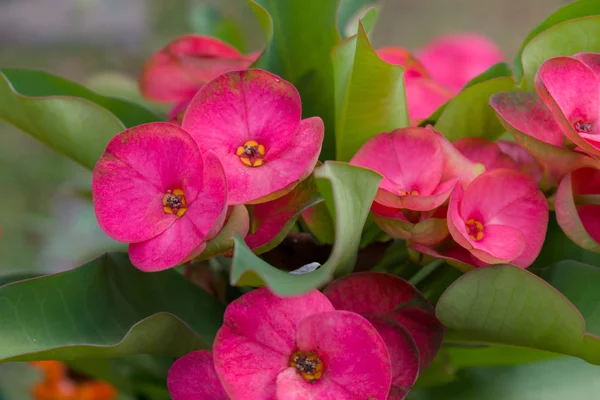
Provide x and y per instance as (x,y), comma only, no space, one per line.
(439,70)
(558,125)
(165,189)
(344,343)
(438,199)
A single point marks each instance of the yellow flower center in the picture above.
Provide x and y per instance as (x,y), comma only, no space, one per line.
(475,229)
(308,364)
(251,154)
(409,193)
(174,202)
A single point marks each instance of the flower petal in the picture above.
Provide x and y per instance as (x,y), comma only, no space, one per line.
(176,72)
(485,152)
(424,96)
(257,339)
(592,60)
(356,362)
(409,159)
(193,377)
(500,244)
(392,300)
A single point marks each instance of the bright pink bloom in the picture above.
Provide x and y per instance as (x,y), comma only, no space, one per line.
(403,317)
(420,169)
(423,94)
(453,60)
(577,207)
(175,73)
(570,87)
(273,348)
(153,189)
(252,121)
(501,217)
(500,154)
(193,377)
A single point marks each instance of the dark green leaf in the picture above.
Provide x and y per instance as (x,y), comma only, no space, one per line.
(577,9)
(105,309)
(353,190)
(208,20)
(508,305)
(64,115)
(300,35)
(369,95)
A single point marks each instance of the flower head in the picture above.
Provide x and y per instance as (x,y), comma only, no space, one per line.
(290,348)
(501,217)
(152,188)
(252,121)
(175,73)
(453,60)
(403,317)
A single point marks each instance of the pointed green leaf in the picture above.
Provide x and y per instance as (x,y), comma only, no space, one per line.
(352,189)
(369,95)
(64,115)
(508,305)
(105,309)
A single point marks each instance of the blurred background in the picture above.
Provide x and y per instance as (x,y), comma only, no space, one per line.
(45,224)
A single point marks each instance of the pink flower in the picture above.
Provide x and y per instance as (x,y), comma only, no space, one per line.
(403,317)
(501,217)
(420,169)
(423,94)
(193,377)
(453,60)
(175,73)
(498,155)
(252,121)
(577,207)
(152,188)
(566,104)
(292,348)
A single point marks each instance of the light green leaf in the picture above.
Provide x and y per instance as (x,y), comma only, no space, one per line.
(574,10)
(507,305)
(469,113)
(564,39)
(105,309)
(64,115)
(353,190)
(369,95)
(353,11)
(300,35)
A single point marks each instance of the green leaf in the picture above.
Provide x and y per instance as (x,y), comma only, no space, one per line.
(353,190)
(300,35)
(469,113)
(577,9)
(105,370)
(105,309)
(507,305)
(351,11)
(318,221)
(565,378)
(6,279)
(64,115)
(237,222)
(564,39)
(369,95)
(208,20)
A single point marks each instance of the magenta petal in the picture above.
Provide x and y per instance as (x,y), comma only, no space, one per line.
(193,377)
(257,339)
(501,243)
(424,96)
(592,60)
(522,159)
(410,159)
(485,152)
(457,256)
(135,172)
(176,72)
(391,299)
(356,362)
(581,223)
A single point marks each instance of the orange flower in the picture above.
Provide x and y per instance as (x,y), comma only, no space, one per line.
(57,385)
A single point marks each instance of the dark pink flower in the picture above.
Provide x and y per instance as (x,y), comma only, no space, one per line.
(577,207)
(153,188)
(299,348)
(403,317)
(420,169)
(193,377)
(252,121)
(453,60)
(501,217)
(423,94)
(175,73)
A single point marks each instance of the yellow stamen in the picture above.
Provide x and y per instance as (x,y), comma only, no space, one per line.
(251,154)
(475,229)
(308,364)
(174,203)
